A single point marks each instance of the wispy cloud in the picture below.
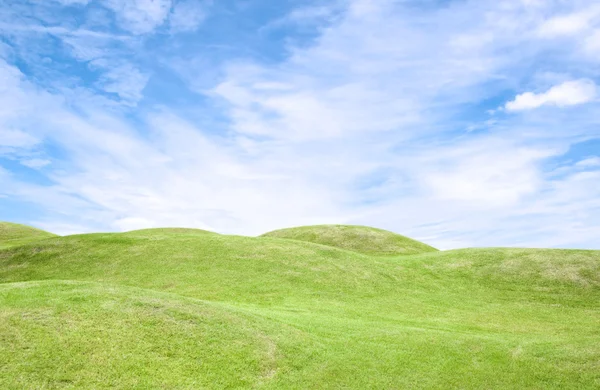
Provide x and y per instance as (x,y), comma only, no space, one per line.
(35,163)
(140,16)
(571,23)
(124,79)
(589,162)
(385,114)
(187,15)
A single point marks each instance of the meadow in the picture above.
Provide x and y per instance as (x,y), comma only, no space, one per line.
(315,307)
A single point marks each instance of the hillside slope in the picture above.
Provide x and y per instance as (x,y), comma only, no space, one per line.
(304,315)
(87,335)
(14,234)
(361,239)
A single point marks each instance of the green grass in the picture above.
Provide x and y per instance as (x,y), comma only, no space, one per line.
(87,335)
(361,239)
(173,308)
(14,234)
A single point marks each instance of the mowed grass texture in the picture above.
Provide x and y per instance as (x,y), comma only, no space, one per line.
(185,308)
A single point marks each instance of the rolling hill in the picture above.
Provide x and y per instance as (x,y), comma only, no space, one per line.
(361,239)
(14,234)
(296,308)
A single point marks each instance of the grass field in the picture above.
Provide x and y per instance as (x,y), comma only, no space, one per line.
(323,307)
(13,234)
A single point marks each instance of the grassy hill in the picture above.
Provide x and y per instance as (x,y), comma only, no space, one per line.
(14,234)
(66,334)
(192,309)
(361,239)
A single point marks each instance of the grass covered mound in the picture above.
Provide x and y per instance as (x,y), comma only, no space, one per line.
(166,232)
(14,234)
(191,310)
(361,239)
(86,335)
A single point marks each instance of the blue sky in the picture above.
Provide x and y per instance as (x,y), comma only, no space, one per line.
(461,123)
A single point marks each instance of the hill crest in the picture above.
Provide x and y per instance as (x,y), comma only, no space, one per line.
(14,234)
(361,239)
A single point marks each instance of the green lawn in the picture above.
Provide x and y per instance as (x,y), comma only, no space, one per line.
(304,308)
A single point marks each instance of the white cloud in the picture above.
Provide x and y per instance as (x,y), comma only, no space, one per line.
(187,15)
(364,125)
(570,24)
(501,175)
(62,228)
(591,44)
(175,177)
(16,138)
(16,108)
(56,30)
(535,3)
(351,82)
(86,48)
(35,163)
(565,25)
(71,2)
(589,162)
(569,93)
(101,51)
(5,50)
(140,16)
(124,79)
(307,16)
(134,16)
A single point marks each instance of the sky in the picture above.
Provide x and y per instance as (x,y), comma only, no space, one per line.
(461,123)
